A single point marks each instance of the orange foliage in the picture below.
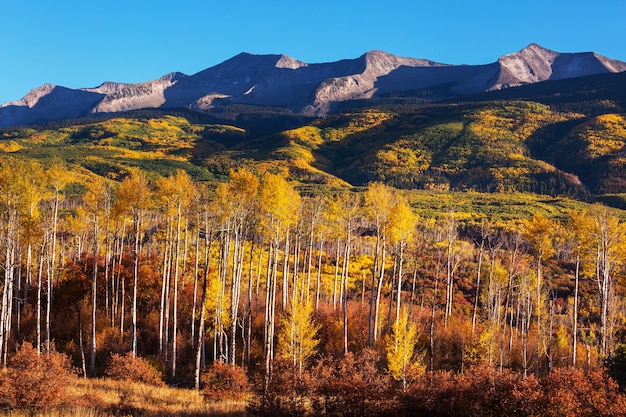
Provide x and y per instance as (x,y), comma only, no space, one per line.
(225,382)
(35,381)
(573,393)
(125,367)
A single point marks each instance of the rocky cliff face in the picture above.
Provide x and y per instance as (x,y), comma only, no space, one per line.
(535,63)
(122,97)
(311,89)
(363,83)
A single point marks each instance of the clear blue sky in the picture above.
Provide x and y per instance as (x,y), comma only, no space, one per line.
(84,43)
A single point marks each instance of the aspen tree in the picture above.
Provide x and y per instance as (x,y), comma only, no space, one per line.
(459,252)
(108,205)
(539,232)
(511,240)
(196,210)
(525,291)
(334,220)
(313,208)
(496,290)
(485,235)
(402,361)
(239,199)
(378,202)
(178,191)
(9,200)
(298,234)
(40,272)
(580,228)
(436,240)
(456,252)
(609,241)
(297,339)
(324,230)
(348,205)
(278,204)
(32,182)
(119,219)
(57,179)
(209,227)
(165,199)
(95,201)
(403,222)
(135,194)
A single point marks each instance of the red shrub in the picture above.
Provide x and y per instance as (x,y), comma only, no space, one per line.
(125,367)
(572,392)
(225,382)
(35,382)
(481,390)
(284,394)
(352,386)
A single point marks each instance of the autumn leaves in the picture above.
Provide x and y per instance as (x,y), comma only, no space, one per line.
(251,271)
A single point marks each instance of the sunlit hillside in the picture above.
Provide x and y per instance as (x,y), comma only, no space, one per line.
(392,259)
(515,146)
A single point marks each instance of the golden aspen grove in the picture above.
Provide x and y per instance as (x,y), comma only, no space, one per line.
(418,260)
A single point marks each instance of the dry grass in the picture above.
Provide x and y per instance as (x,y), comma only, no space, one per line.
(73,412)
(103,397)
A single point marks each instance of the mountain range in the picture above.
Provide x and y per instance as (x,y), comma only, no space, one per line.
(302,88)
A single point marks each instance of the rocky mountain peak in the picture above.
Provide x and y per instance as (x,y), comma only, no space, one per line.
(315,89)
(537,50)
(530,65)
(173,76)
(288,62)
(380,62)
(33,96)
(536,63)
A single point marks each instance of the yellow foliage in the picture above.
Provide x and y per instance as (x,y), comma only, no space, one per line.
(517,120)
(279,203)
(357,122)
(562,338)
(482,349)
(403,221)
(402,362)
(604,135)
(306,135)
(238,197)
(10,146)
(297,339)
(379,200)
(402,159)
(134,194)
(540,233)
(217,303)
(507,178)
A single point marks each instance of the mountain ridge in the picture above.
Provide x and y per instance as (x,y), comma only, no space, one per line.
(311,89)
(559,137)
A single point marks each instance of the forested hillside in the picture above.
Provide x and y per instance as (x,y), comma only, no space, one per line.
(564,149)
(397,241)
